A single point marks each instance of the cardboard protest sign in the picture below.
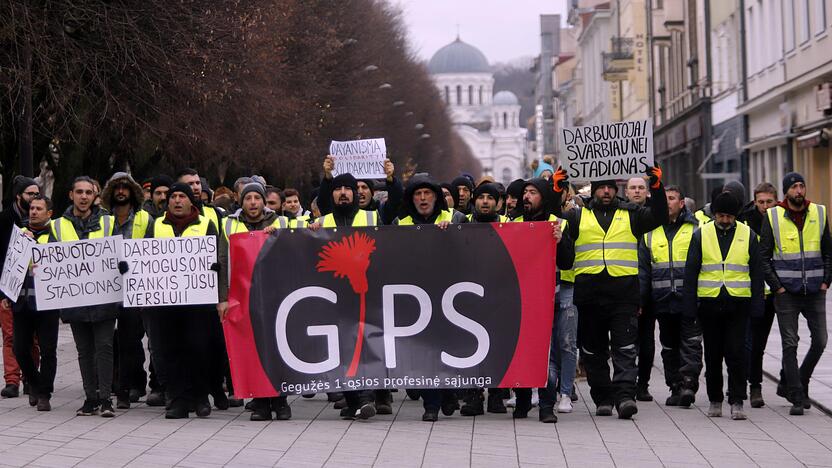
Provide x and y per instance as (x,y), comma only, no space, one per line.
(77,274)
(170,271)
(364,159)
(614,150)
(18,256)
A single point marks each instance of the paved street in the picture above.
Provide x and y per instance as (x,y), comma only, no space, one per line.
(658,436)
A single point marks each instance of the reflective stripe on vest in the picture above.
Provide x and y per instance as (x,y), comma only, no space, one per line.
(615,250)
(162,229)
(235,226)
(445,215)
(64,230)
(363,218)
(733,272)
(500,218)
(797,253)
(668,258)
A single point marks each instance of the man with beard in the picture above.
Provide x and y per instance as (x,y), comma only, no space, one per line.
(31,324)
(346,213)
(424,203)
(156,204)
(387,210)
(93,326)
(661,258)
(254,216)
(24,190)
(797,258)
(514,197)
(185,335)
(539,205)
(463,186)
(123,197)
(606,234)
(724,263)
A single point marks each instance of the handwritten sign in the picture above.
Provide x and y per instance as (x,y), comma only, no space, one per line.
(18,256)
(364,159)
(614,150)
(170,271)
(77,274)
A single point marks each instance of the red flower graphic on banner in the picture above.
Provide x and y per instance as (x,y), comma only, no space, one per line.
(349,258)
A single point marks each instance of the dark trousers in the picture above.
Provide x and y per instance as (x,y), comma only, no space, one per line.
(756,337)
(432,399)
(789,307)
(94,342)
(130,352)
(646,346)
(157,367)
(723,328)
(28,325)
(181,339)
(358,398)
(605,331)
(681,340)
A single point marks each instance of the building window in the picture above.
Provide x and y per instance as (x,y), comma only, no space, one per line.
(447,95)
(752,41)
(513,119)
(804,21)
(505,119)
(458,95)
(788,25)
(507,176)
(470,95)
(480,95)
(820,16)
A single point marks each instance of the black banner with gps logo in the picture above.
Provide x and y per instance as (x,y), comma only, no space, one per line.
(391,307)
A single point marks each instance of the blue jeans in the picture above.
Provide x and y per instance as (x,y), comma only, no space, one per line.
(563,357)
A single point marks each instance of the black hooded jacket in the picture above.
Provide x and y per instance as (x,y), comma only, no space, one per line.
(387,211)
(409,208)
(343,215)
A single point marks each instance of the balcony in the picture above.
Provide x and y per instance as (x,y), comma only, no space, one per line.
(619,61)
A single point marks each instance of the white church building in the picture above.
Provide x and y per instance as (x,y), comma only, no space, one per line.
(489,123)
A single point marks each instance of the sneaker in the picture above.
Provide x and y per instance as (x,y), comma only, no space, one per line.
(10,391)
(547,415)
(412,393)
(261,410)
(495,403)
(122,403)
(176,412)
(33,399)
(520,412)
(203,408)
(90,408)
(626,409)
(673,399)
(450,406)
(473,408)
(347,413)
(715,410)
(220,401)
(136,395)
(756,398)
(603,410)
(642,394)
(367,411)
(156,398)
(332,397)
(283,412)
(737,414)
(383,404)
(511,402)
(686,398)
(535,398)
(340,404)
(796,410)
(107,409)
(43,404)
(565,404)
(430,415)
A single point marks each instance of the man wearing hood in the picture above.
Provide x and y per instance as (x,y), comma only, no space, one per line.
(464,187)
(92,326)
(797,258)
(253,215)
(424,203)
(661,269)
(606,234)
(123,198)
(185,335)
(539,205)
(724,264)
(387,210)
(24,190)
(514,198)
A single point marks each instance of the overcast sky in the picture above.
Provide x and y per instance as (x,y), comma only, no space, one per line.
(502,29)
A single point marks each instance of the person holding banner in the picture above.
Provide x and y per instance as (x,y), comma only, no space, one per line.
(31,325)
(255,216)
(185,335)
(92,326)
(122,196)
(24,190)
(606,234)
(387,211)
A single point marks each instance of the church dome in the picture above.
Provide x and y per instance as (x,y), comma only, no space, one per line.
(458,57)
(505,98)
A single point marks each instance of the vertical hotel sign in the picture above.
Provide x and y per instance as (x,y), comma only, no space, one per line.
(638,77)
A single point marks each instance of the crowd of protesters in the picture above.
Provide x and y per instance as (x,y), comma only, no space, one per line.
(713,281)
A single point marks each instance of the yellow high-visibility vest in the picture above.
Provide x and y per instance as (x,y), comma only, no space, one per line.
(162,229)
(64,230)
(733,273)
(233,225)
(615,250)
(444,215)
(668,258)
(797,256)
(363,218)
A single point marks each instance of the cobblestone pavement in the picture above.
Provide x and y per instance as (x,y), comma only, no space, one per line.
(658,436)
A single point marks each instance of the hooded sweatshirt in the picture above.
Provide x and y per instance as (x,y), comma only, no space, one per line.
(136,200)
(409,208)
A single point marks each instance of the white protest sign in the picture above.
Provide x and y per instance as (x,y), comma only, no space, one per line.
(614,150)
(364,159)
(170,271)
(18,256)
(78,273)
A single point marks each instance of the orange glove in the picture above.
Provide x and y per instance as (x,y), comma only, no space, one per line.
(560,180)
(655,174)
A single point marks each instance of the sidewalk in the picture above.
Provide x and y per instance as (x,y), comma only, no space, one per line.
(820,387)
